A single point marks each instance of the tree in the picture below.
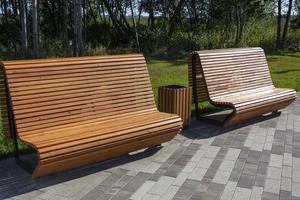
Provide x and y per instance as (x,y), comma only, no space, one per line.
(286,25)
(65,36)
(149,7)
(117,23)
(278,44)
(135,28)
(298,13)
(78,42)
(24,33)
(174,15)
(35,25)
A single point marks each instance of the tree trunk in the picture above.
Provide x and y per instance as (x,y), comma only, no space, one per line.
(115,21)
(241,25)
(194,11)
(14,7)
(35,24)
(279,25)
(174,18)
(24,33)
(238,24)
(84,10)
(92,11)
(78,43)
(286,26)
(5,12)
(65,37)
(122,15)
(135,28)
(139,16)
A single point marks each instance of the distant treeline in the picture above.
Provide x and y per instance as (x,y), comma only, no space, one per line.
(32,28)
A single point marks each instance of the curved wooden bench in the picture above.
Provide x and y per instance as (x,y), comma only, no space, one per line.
(76,111)
(240,79)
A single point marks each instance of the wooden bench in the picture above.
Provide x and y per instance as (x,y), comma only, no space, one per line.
(239,79)
(76,111)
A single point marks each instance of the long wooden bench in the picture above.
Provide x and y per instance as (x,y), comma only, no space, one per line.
(76,111)
(239,79)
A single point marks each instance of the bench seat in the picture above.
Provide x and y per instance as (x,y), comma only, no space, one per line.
(254,103)
(77,111)
(238,79)
(238,100)
(67,142)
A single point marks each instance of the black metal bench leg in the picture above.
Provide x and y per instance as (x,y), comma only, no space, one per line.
(17,152)
(195,92)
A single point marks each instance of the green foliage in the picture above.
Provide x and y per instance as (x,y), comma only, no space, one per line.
(151,40)
(260,33)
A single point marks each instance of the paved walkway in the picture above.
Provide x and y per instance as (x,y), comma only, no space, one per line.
(258,160)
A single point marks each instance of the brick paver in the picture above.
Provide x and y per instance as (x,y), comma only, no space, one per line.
(256,160)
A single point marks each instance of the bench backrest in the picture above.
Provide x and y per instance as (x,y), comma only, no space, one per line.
(229,71)
(48,93)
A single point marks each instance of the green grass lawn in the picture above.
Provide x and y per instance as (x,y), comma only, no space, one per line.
(285,71)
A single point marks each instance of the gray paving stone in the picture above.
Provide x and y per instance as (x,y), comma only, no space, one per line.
(210,173)
(256,193)
(142,190)
(276,160)
(205,162)
(216,163)
(197,174)
(265,156)
(244,154)
(186,190)
(269,196)
(234,176)
(203,187)
(246,181)
(170,193)
(262,168)
(296,189)
(221,177)
(215,190)
(288,149)
(174,170)
(160,187)
(272,186)
(218,142)
(274,173)
(278,149)
(285,195)
(136,182)
(114,177)
(157,174)
(250,168)
(260,180)
(229,191)
(242,194)
(95,193)
(287,171)
(253,157)
(286,184)
(121,195)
